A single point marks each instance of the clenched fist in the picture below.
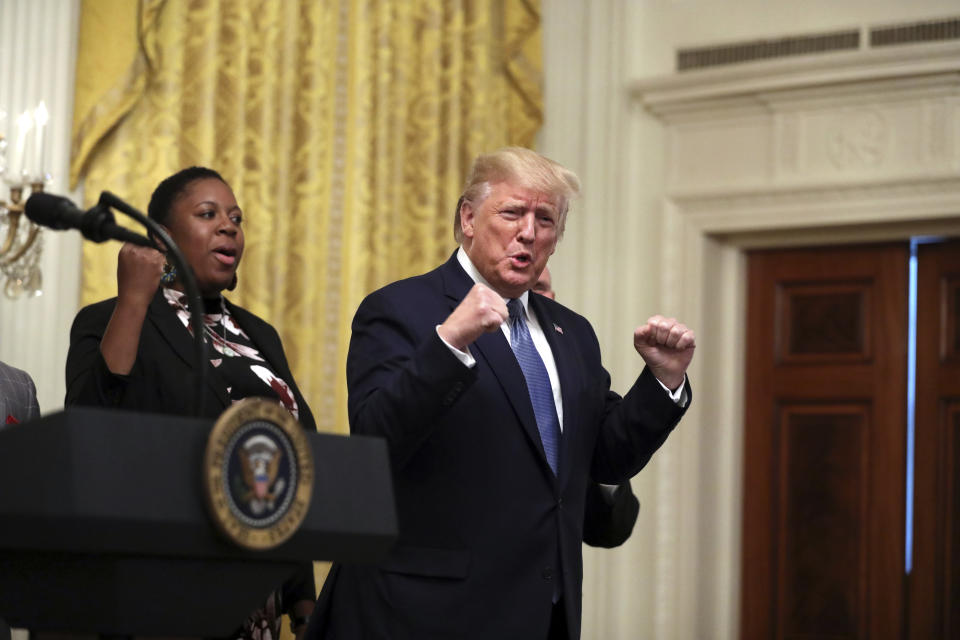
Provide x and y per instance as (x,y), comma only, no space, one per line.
(481,311)
(138,273)
(667,347)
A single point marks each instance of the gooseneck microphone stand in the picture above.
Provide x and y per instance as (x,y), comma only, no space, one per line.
(104,217)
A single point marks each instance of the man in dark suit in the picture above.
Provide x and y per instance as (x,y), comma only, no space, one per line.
(497,411)
(18,403)
(609,511)
(18,396)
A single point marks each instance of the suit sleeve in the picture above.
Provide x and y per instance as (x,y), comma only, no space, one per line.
(609,514)
(629,428)
(89,381)
(298,587)
(401,378)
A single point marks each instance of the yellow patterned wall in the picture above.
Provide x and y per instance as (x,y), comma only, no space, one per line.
(344,127)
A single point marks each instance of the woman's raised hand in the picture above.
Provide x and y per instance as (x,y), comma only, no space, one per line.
(138,273)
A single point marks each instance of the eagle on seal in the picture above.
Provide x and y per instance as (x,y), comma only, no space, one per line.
(260,460)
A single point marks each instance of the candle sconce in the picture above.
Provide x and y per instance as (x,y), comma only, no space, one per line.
(21,245)
(22,167)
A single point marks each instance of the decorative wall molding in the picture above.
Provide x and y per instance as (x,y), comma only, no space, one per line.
(821,205)
(845,147)
(855,122)
(673,95)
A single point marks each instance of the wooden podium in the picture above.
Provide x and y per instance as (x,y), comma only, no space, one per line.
(103,527)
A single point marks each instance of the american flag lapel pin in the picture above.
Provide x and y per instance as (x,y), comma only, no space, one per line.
(558,328)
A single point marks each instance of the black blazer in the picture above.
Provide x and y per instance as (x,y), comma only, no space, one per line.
(483,521)
(163,377)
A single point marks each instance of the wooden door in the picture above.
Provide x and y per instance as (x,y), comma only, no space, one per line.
(825,427)
(934,582)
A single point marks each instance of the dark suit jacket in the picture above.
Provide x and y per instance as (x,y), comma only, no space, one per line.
(482,519)
(163,377)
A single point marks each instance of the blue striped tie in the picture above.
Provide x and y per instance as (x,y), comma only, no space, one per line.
(538,383)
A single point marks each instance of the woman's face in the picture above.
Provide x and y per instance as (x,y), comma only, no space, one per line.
(205,223)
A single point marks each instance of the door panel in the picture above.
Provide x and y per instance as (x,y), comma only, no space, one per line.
(934,584)
(825,436)
(821,537)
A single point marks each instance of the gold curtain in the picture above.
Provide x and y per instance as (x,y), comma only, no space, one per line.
(344,127)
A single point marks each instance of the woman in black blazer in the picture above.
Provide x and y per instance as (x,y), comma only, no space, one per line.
(135,351)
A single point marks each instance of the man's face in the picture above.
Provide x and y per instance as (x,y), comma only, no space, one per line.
(510,236)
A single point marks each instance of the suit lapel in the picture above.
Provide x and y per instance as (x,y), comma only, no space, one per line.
(271,350)
(495,350)
(268,344)
(180,340)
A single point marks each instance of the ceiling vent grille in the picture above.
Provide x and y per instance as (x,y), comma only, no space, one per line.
(932,31)
(846,40)
(701,57)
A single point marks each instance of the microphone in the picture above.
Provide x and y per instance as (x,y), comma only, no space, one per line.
(97,224)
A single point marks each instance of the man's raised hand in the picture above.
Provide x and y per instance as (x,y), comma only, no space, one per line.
(481,311)
(667,347)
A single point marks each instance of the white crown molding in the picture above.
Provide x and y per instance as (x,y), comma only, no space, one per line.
(742,85)
(823,205)
(820,140)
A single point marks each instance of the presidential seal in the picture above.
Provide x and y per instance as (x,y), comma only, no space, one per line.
(257,474)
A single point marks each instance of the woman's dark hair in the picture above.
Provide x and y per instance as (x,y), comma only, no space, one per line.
(167,192)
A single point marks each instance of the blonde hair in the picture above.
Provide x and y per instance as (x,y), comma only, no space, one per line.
(524,167)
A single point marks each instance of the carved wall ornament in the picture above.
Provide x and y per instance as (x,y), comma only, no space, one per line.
(858,140)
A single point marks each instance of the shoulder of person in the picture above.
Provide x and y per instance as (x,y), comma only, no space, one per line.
(412,288)
(242,312)
(97,312)
(248,319)
(99,307)
(558,311)
(9,372)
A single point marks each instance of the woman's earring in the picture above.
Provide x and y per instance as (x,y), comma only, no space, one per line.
(169,273)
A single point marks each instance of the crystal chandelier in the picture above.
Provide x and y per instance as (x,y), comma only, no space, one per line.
(22,167)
